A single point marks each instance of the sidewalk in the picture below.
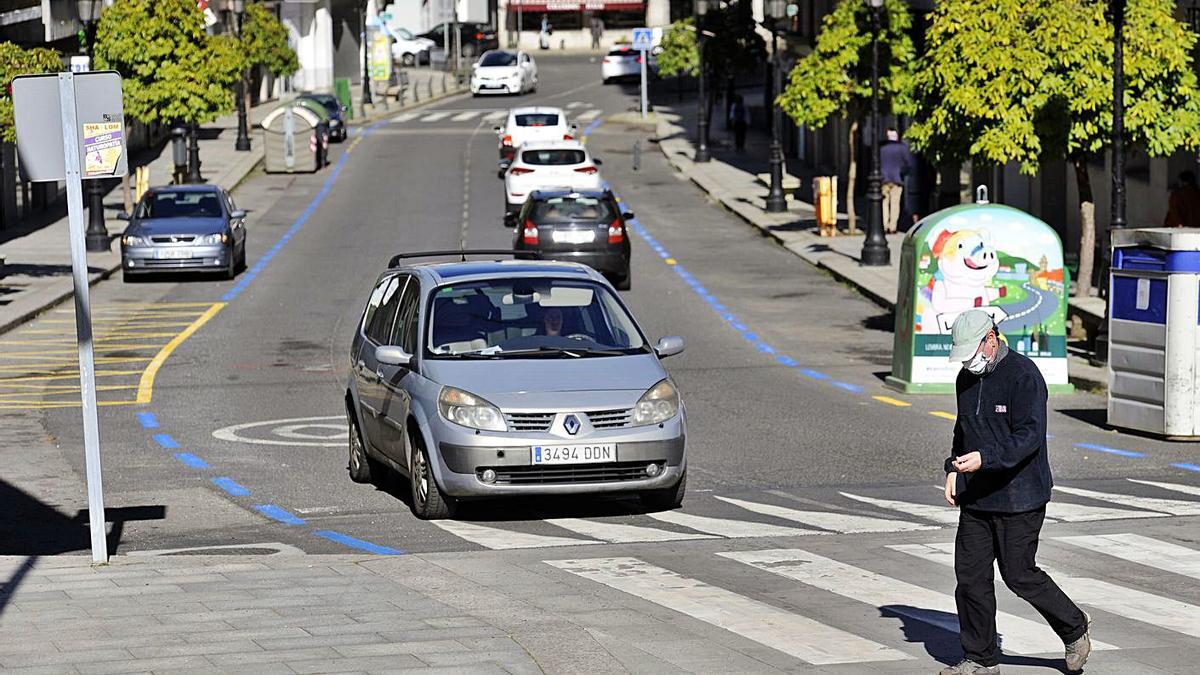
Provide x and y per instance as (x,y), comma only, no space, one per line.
(730,178)
(37,269)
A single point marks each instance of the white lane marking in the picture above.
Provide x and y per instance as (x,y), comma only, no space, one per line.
(1155,610)
(285,428)
(1079,513)
(275,548)
(1018,635)
(733,529)
(837,522)
(587,116)
(497,539)
(1175,507)
(1175,487)
(464,116)
(793,634)
(575,104)
(435,116)
(1146,551)
(406,117)
(621,534)
(497,116)
(939,514)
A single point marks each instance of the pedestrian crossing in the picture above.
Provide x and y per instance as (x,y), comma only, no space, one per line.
(577,112)
(810,605)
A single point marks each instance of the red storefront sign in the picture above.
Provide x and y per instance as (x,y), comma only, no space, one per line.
(577,6)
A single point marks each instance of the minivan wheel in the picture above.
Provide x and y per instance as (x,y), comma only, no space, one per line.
(666,499)
(360,464)
(428,500)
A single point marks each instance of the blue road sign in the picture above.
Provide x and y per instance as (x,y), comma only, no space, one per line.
(643,38)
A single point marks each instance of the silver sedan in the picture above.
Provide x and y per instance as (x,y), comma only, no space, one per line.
(184,228)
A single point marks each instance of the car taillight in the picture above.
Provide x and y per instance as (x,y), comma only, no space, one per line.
(590,170)
(639,59)
(479,36)
(530,235)
(616,232)
(506,140)
(605,60)
(519,171)
(568,137)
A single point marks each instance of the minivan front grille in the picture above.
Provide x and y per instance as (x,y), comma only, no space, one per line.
(173,239)
(612,472)
(610,419)
(535,421)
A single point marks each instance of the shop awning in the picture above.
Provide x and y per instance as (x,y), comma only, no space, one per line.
(576,6)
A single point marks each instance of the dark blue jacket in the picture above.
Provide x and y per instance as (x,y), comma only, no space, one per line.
(1003,415)
(895,161)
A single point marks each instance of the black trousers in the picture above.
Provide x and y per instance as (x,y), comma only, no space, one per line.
(1012,540)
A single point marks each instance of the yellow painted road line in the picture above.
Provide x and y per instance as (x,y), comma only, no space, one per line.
(670,261)
(944,415)
(65,376)
(51,367)
(62,391)
(892,401)
(43,405)
(146,386)
(354,145)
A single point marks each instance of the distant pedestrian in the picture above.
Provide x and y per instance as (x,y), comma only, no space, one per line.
(597,31)
(896,161)
(544,34)
(739,120)
(998,474)
(1183,209)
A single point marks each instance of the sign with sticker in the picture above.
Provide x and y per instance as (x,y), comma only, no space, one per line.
(103,146)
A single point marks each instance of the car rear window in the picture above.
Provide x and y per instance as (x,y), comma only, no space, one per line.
(622,52)
(181,205)
(565,209)
(537,120)
(498,59)
(553,157)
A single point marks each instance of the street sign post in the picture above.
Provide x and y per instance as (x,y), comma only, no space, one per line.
(643,41)
(71,127)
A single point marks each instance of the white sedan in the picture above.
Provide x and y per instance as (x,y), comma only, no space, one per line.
(408,49)
(501,72)
(533,123)
(623,62)
(536,166)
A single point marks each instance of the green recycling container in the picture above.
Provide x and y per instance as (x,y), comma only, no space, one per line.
(341,88)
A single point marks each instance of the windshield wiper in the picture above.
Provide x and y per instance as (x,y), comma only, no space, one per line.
(539,351)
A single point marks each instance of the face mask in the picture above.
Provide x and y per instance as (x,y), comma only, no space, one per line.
(978,364)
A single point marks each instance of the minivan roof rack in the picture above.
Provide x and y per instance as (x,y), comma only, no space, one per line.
(462,254)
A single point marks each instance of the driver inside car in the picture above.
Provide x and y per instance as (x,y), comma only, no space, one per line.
(552,321)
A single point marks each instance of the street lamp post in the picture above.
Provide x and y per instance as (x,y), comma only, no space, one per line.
(366,67)
(97,233)
(1117,220)
(700,9)
(242,144)
(776,201)
(875,252)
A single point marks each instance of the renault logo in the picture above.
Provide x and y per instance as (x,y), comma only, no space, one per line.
(571,424)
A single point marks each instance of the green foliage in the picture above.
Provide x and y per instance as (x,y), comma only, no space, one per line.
(17,61)
(835,78)
(172,69)
(265,42)
(679,54)
(731,43)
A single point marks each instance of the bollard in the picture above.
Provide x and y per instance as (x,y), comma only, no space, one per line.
(443,82)
(637,155)
(429,82)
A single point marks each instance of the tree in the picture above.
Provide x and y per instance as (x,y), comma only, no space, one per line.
(265,42)
(834,80)
(1030,81)
(679,54)
(17,61)
(173,70)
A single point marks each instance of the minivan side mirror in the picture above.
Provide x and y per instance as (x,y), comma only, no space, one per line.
(597,162)
(669,346)
(238,214)
(391,355)
(628,215)
(496,128)
(510,219)
(123,215)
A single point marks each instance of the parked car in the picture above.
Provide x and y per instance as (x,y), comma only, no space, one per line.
(623,62)
(540,165)
(533,123)
(488,379)
(184,228)
(477,38)
(408,49)
(585,226)
(337,114)
(501,72)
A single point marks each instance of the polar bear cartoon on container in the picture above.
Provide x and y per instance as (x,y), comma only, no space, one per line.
(967,263)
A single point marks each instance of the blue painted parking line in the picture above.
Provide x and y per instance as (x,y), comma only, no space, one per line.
(1112,451)
(816,375)
(276,513)
(166,441)
(352,542)
(848,387)
(147,420)
(1186,466)
(231,486)
(191,460)
(787,360)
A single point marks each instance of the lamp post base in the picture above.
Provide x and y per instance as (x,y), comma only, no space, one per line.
(875,255)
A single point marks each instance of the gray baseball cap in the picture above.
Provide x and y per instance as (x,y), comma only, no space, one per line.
(968,331)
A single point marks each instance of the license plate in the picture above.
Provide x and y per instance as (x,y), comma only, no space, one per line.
(573,236)
(173,253)
(574,454)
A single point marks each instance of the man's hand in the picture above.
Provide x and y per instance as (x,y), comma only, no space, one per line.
(951,479)
(968,462)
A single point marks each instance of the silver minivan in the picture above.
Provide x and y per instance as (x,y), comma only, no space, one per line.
(488,379)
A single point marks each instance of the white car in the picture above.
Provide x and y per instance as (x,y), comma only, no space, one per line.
(533,123)
(501,72)
(409,49)
(623,62)
(560,164)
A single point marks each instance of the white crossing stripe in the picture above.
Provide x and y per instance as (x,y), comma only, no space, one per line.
(944,515)
(793,634)
(435,116)
(621,534)
(733,529)
(1135,548)
(1175,507)
(1079,513)
(464,116)
(575,104)
(1018,635)
(493,538)
(1155,610)
(837,522)
(587,116)
(1176,487)
(405,117)
(497,116)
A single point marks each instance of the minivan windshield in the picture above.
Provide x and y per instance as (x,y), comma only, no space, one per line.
(530,318)
(182,204)
(498,59)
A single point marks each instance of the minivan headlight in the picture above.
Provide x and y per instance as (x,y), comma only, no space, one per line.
(214,239)
(469,410)
(659,404)
(134,240)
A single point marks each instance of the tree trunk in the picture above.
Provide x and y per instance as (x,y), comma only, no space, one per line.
(852,174)
(1087,228)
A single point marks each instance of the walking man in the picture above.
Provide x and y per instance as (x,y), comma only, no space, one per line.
(739,120)
(597,31)
(895,162)
(998,474)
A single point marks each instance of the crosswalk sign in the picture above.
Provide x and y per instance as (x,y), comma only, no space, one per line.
(643,39)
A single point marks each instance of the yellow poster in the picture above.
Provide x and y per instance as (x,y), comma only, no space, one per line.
(103,143)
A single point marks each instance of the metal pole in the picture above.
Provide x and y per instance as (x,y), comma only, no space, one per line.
(194,154)
(366,66)
(83,320)
(702,114)
(97,232)
(242,144)
(875,252)
(776,201)
(643,58)
(1117,219)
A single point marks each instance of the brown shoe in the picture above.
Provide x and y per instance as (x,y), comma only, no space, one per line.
(1079,650)
(968,667)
